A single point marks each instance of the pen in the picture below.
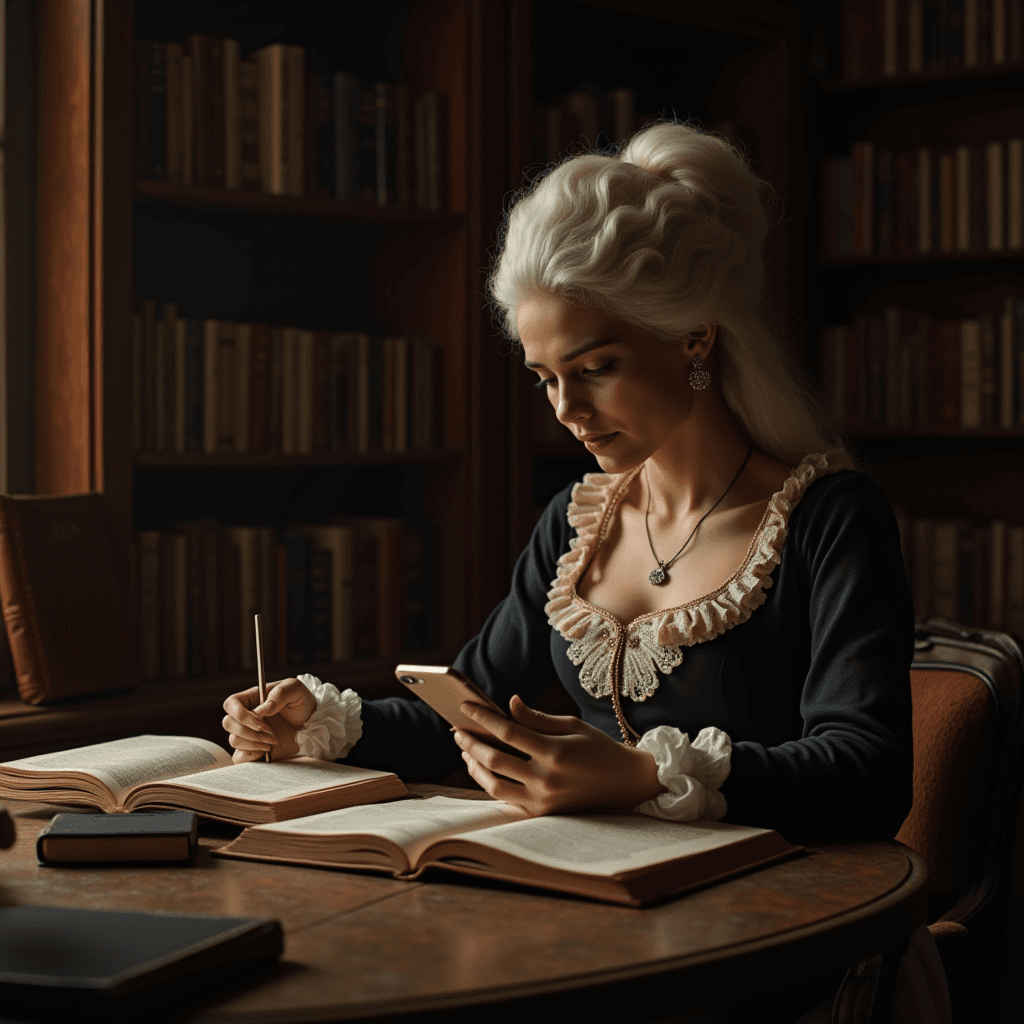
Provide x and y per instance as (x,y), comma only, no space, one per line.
(260,670)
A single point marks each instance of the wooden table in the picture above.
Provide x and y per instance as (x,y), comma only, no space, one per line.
(361,945)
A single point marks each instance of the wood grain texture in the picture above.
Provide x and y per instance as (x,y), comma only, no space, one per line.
(64,427)
(359,945)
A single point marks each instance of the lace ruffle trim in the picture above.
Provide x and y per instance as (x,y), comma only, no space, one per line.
(336,725)
(588,628)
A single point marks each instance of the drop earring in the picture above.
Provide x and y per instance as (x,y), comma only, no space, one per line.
(699,377)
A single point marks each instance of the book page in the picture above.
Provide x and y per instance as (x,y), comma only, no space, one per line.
(607,844)
(122,764)
(279,780)
(410,824)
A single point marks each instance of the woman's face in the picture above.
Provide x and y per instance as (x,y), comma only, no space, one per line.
(617,387)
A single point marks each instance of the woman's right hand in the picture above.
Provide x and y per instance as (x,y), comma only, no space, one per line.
(254,728)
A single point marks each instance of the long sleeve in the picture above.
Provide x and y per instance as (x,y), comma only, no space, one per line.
(511,654)
(850,772)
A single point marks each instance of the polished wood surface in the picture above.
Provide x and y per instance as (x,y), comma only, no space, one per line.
(362,945)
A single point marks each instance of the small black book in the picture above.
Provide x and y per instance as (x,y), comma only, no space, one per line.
(119,965)
(164,836)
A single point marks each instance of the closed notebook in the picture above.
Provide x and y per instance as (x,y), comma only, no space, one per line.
(118,965)
(112,838)
(62,606)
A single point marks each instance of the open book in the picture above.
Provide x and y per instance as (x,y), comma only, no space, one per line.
(192,774)
(621,857)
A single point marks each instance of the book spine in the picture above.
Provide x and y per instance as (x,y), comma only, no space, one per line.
(299,550)
(977,190)
(227,370)
(346,137)
(338,383)
(906,205)
(403,148)
(284,654)
(1015,193)
(947,202)
(375,393)
(195,599)
(320,573)
(844,177)
(267,557)
(232,115)
(243,385)
(388,402)
(276,390)
(1014,580)
(289,390)
(20,618)
(386,136)
(269,63)
(306,396)
(893,328)
(1006,368)
(970,374)
(188,88)
(295,69)
(915,36)
(924,200)
(884,203)
(970,33)
(320,404)
(259,388)
(863,198)
(247,543)
(994,195)
(989,367)
(996,618)
(320,174)
(212,569)
(150,375)
(156,112)
(180,384)
(230,604)
(364,588)
(150,666)
(168,622)
(948,367)
(367,135)
(210,361)
(194,388)
(172,108)
(962,158)
(168,390)
(159,411)
(140,90)
(249,125)
(875,372)
(138,382)
(403,395)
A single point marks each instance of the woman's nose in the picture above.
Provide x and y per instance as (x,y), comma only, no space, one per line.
(571,406)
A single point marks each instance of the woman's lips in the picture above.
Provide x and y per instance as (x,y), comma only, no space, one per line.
(595,442)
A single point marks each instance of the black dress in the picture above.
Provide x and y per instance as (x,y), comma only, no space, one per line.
(803,657)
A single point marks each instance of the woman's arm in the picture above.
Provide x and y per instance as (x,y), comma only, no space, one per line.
(850,772)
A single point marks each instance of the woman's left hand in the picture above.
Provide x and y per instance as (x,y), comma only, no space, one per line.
(572,766)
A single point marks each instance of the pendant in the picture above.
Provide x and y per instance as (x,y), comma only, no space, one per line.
(657,576)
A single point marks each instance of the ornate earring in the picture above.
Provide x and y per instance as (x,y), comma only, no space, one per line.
(699,377)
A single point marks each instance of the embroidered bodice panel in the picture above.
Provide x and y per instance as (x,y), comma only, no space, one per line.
(630,655)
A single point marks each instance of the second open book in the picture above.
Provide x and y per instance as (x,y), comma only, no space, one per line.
(622,857)
(192,774)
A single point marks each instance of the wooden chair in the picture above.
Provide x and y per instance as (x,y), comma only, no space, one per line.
(968,712)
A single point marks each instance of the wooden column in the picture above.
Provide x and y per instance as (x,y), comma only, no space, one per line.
(83,254)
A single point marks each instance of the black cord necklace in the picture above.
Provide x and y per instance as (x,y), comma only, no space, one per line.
(659,575)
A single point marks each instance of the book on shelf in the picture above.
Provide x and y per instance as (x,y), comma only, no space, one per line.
(327,592)
(209,114)
(890,38)
(191,774)
(62,604)
(923,200)
(619,858)
(966,571)
(904,370)
(596,117)
(216,386)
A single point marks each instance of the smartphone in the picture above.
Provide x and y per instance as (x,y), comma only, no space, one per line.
(444,689)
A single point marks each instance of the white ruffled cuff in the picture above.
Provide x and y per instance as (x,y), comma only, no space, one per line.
(336,725)
(692,773)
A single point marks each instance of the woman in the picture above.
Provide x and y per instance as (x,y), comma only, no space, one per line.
(729,578)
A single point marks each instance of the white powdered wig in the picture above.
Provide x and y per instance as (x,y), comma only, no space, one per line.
(667,234)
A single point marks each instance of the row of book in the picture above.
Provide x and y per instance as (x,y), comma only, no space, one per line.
(205,115)
(214,386)
(903,370)
(972,573)
(331,593)
(591,118)
(961,200)
(887,38)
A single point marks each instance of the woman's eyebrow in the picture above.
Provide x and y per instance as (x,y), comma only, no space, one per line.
(587,346)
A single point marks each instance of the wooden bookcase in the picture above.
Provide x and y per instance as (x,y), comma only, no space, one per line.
(929,472)
(106,241)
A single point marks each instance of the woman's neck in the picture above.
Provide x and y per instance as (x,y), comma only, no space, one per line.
(695,466)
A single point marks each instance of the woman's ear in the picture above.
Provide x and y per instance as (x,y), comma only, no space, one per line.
(700,341)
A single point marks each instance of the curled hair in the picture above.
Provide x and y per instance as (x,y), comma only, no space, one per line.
(667,234)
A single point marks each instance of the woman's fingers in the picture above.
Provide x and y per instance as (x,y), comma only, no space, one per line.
(290,699)
(538,721)
(239,708)
(521,737)
(495,761)
(261,738)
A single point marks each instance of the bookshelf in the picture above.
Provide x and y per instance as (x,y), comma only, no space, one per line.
(111,237)
(940,243)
